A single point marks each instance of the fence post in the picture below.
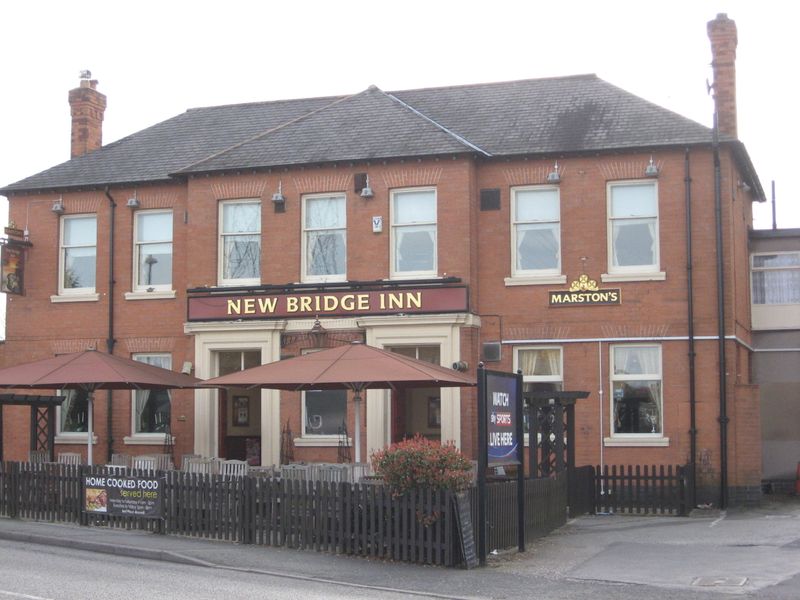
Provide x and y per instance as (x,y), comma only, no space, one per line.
(13,490)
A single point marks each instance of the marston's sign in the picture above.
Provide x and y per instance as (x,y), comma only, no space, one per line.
(349,303)
(584,292)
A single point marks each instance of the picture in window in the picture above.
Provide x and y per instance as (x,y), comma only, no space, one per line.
(241,411)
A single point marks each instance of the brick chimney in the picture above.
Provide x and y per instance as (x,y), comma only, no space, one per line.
(87,106)
(722,33)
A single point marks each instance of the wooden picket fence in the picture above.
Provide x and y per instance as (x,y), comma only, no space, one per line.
(340,517)
(637,489)
(545,509)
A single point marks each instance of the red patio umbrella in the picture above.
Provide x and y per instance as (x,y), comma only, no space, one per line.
(91,370)
(356,367)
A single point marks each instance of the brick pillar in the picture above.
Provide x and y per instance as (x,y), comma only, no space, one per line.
(87,106)
(722,33)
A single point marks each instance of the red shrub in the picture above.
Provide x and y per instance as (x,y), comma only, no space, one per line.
(422,463)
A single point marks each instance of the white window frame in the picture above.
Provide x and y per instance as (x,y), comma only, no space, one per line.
(221,243)
(550,275)
(632,272)
(313,439)
(539,378)
(137,246)
(306,277)
(754,269)
(633,439)
(394,237)
(71,437)
(147,437)
(62,252)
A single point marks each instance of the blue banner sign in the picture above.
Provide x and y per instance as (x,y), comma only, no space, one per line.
(502,414)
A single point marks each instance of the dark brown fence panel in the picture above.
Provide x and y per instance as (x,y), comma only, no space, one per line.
(641,489)
(581,491)
(545,505)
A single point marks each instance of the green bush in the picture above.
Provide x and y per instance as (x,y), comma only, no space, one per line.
(422,463)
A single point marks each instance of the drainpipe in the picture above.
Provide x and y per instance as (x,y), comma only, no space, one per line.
(723,400)
(690,318)
(110,341)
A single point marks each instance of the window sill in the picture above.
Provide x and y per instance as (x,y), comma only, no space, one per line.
(157,439)
(154,295)
(319,441)
(642,442)
(75,298)
(77,439)
(543,280)
(621,277)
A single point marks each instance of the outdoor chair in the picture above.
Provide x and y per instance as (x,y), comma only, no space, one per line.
(263,472)
(233,467)
(144,463)
(121,460)
(199,465)
(38,456)
(163,462)
(294,472)
(332,473)
(186,457)
(69,458)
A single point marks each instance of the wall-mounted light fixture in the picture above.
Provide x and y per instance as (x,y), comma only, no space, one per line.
(744,187)
(651,170)
(58,206)
(367,192)
(278,197)
(554,176)
(133,201)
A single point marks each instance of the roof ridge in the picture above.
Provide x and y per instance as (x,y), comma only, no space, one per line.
(495,83)
(268,131)
(265,102)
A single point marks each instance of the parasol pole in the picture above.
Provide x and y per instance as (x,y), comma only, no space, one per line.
(89,398)
(357,406)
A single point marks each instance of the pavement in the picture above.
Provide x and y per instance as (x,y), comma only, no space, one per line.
(754,553)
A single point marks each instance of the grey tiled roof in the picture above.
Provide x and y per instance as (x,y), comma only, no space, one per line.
(558,115)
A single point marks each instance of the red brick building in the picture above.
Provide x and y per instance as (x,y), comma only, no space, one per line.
(559,226)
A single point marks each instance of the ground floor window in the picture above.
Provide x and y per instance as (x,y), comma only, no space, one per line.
(151,408)
(74,412)
(324,412)
(636,389)
(542,371)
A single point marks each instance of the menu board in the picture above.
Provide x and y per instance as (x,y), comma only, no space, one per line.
(123,496)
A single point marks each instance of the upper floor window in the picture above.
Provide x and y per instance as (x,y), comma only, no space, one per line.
(153,250)
(633,227)
(240,242)
(151,408)
(324,238)
(636,389)
(776,278)
(413,233)
(78,254)
(535,231)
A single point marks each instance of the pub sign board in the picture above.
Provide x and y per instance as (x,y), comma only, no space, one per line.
(585,292)
(327,304)
(503,402)
(122,496)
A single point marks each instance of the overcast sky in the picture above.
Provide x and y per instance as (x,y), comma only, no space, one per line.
(154,60)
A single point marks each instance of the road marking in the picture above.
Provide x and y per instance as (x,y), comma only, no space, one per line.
(718,519)
(18,595)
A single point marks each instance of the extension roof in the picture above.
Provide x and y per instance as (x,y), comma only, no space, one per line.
(561,115)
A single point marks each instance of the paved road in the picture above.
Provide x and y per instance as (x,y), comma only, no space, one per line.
(752,554)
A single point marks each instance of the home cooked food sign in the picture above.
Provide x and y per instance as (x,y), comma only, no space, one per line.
(123,496)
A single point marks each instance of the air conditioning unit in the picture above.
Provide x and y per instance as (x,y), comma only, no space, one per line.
(491,352)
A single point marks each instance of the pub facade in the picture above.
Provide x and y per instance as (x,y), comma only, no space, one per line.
(562,227)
